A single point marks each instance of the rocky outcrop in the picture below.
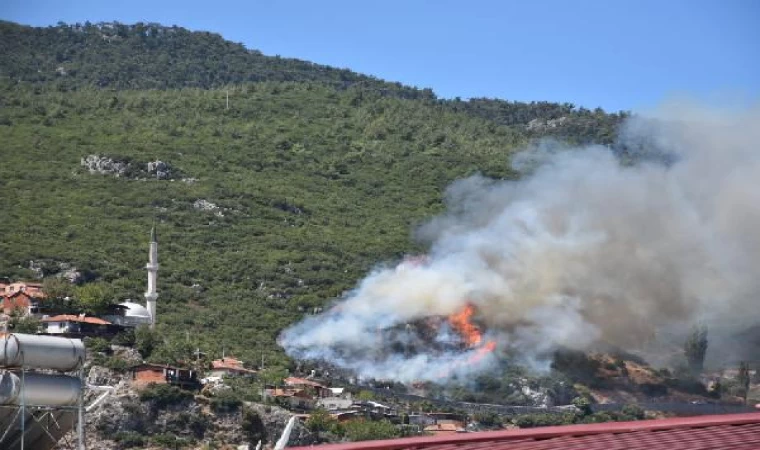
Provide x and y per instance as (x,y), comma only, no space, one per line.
(543,125)
(205,205)
(104,165)
(59,269)
(122,415)
(159,169)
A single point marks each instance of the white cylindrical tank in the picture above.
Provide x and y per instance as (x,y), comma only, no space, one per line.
(39,389)
(41,352)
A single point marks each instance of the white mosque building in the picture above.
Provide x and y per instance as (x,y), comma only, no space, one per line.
(135,314)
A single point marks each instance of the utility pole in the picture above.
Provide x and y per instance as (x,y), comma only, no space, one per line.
(228,99)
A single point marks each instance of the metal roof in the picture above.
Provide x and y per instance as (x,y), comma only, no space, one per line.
(731,431)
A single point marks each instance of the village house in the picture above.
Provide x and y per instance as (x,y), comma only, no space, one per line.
(297,399)
(439,423)
(21,296)
(146,373)
(78,325)
(20,302)
(443,429)
(335,403)
(32,289)
(339,399)
(346,415)
(228,367)
(318,389)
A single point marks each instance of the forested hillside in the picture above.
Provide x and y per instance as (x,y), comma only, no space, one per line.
(267,208)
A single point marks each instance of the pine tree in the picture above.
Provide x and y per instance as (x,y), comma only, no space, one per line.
(744,379)
(695,349)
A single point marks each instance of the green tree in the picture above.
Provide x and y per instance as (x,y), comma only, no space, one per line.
(367,430)
(273,376)
(19,322)
(321,421)
(57,288)
(146,340)
(93,298)
(365,395)
(253,427)
(695,348)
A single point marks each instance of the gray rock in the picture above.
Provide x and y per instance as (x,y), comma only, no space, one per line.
(205,205)
(104,165)
(160,169)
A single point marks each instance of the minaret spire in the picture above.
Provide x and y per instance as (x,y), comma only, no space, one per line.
(150,294)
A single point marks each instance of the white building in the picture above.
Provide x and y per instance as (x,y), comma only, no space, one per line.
(134,314)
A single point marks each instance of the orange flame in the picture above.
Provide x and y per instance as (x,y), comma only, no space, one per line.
(473,337)
(487,348)
(461,323)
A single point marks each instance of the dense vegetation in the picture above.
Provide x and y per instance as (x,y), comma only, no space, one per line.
(315,174)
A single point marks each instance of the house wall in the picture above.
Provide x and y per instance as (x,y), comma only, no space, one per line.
(331,403)
(147,376)
(56,327)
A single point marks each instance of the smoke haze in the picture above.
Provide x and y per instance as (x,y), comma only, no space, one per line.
(583,249)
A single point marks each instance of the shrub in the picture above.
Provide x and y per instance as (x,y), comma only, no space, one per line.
(97,345)
(367,430)
(488,419)
(253,427)
(225,401)
(690,385)
(129,439)
(115,363)
(126,338)
(163,395)
(632,412)
(320,420)
(543,420)
(170,441)
(654,389)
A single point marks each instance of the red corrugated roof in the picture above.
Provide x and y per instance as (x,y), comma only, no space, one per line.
(730,431)
(73,318)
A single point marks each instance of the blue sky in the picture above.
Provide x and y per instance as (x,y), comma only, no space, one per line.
(616,54)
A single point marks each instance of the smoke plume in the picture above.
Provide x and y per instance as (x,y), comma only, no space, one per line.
(588,246)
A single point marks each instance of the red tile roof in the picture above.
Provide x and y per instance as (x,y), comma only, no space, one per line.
(730,431)
(230,364)
(294,381)
(73,318)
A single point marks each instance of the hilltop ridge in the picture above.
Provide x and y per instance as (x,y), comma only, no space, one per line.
(275,205)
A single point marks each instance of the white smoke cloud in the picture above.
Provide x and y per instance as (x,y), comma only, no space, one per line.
(581,250)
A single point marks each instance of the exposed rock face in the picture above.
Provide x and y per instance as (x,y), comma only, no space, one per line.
(101,164)
(159,169)
(59,269)
(205,205)
(37,268)
(541,125)
(104,165)
(122,413)
(539,395)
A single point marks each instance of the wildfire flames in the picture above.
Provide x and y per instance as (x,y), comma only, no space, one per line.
(461,322)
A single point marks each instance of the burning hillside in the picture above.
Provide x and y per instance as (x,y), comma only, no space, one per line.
(583,249)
